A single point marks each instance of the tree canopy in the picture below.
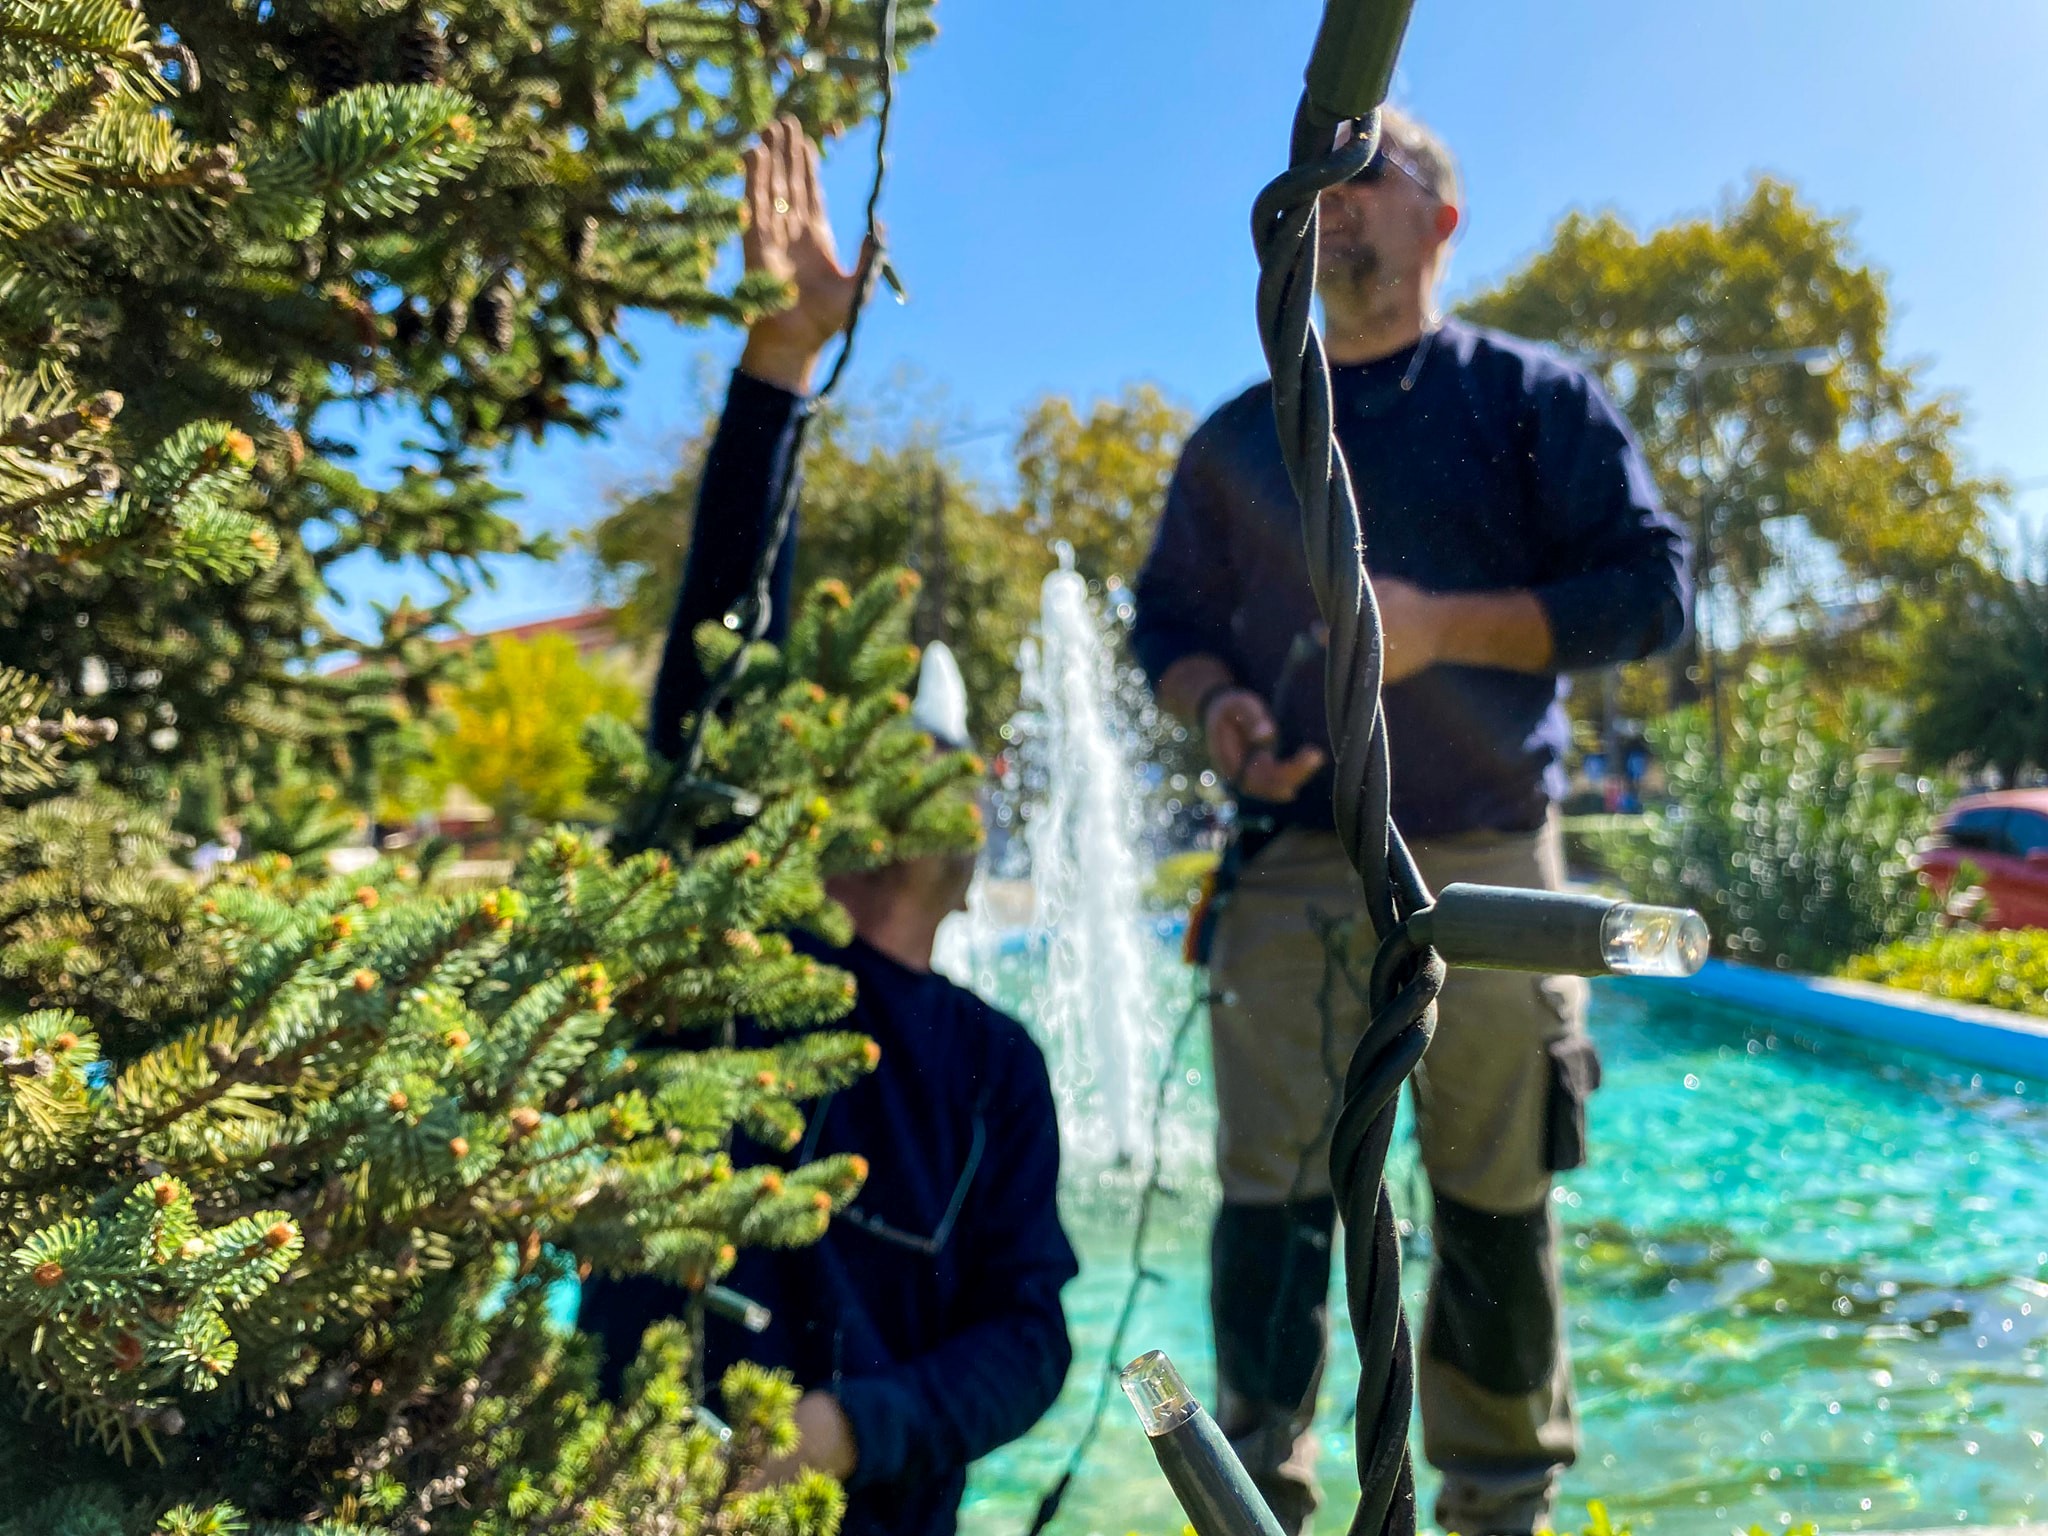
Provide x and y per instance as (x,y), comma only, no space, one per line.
(292,210)
(1976,675)
(1822,500)
(514,731)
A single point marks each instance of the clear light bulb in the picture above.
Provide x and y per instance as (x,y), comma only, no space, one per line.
(1654,941)
(1155,1389)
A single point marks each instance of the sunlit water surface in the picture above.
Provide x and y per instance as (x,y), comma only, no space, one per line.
(1803,1283)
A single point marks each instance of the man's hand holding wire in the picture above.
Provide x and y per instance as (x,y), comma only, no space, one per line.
(1241,736)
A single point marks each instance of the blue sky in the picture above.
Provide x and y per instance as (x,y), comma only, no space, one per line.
(1072,181)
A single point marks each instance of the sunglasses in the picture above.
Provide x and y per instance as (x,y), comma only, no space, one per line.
(1374,171)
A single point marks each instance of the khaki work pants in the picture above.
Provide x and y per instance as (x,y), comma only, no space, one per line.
(1500,1106)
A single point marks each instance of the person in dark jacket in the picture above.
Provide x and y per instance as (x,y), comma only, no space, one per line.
(926,1326)
(1514,534)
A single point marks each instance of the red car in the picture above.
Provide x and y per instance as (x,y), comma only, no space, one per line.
(2004,836)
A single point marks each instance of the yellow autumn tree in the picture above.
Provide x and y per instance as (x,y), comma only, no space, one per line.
(513,736)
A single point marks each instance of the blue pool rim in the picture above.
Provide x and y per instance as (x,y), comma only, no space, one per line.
(1967,1032)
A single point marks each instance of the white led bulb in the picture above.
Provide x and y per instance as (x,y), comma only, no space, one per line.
(1156,1390)
(1654,941)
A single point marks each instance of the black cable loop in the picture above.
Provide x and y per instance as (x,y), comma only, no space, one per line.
(757,606)
(1406,977)
(871,241)
(1155,1185)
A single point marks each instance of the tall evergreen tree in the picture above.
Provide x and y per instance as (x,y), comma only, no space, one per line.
(298,1167)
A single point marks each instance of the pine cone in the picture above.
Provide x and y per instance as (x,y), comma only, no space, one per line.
(422,52)
(451,319)
(336,65)
(579,237)
(493,316)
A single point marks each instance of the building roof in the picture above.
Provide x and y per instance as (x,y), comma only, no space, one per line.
(589,629)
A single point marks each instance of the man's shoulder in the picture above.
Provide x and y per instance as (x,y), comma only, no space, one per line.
(1516,366)
(1249,413)
(1004,1032)
(1010,1058)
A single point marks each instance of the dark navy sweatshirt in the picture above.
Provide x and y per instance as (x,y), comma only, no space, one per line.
(931,1309)
(1503,467)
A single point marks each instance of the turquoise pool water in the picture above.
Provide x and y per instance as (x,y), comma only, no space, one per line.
(1803,1283)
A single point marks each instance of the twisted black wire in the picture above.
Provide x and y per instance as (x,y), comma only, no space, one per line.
(1406,977)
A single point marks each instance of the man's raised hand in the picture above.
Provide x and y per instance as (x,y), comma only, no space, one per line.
(789,238)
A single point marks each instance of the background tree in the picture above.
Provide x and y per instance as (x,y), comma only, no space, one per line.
(879,493)
(1099,482)
(513,735)
(1976,676)
(1821,502)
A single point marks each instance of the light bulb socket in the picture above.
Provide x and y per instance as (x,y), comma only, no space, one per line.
(1214,1490)
(1494,927)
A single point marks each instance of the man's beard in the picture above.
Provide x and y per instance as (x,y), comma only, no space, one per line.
(1351,269)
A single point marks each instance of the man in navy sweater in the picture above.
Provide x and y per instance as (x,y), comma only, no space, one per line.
(1514,534)
(926,1326)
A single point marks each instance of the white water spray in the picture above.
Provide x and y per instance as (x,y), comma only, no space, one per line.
(1084,865)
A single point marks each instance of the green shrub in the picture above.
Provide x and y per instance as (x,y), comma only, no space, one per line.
(1176,880)
(1600,1523)
(1793,843)
(2003,970)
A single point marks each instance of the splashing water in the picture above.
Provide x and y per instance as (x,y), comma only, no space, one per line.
(1096,1005)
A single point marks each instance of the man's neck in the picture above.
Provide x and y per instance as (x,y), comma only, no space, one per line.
(884,921)
(1394,322)
(908,938)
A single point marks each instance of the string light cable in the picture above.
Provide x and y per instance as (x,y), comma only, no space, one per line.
(1335,135)
(682,783)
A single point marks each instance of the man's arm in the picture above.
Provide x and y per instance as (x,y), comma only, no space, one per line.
(748,470)
(738,493)
(1508,629)
(1184,598)
(1620,592)
(1620,588)
(1004,1363)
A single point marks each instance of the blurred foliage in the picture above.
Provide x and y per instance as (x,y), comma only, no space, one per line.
(1976,673)
(1794,843)
(1098,483)
(1175,883)
(2006,969)
(300,814)
(880,492)
(434,215)
(513,734)
(1832,499)
(1600,1523)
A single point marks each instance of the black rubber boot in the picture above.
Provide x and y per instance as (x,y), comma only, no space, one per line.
(1269,1288)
